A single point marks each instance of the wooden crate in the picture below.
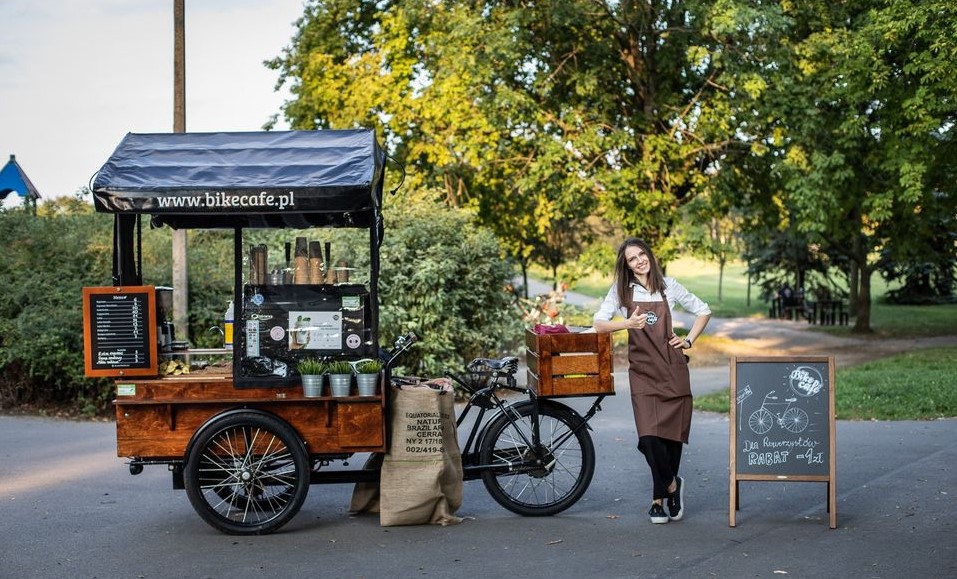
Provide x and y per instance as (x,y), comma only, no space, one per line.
(573,364)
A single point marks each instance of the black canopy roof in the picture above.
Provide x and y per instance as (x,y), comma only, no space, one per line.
(245,179)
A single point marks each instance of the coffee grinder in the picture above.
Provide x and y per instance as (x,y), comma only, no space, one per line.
(165,334)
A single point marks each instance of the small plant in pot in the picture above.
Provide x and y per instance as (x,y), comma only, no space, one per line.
(311,371)
(367,376)
(340,377)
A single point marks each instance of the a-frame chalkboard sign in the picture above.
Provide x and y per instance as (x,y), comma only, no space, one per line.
(782,423)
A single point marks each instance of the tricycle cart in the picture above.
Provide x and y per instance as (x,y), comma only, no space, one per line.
(246,441)
(243,441)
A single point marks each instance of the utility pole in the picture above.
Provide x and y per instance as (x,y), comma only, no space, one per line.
(180,271)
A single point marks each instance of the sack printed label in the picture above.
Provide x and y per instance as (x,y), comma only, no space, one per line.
(423,432)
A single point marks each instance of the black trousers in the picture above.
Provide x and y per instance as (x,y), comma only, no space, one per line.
(664,458)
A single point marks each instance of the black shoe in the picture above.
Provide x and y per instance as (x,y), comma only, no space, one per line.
(657,514)
(676,500)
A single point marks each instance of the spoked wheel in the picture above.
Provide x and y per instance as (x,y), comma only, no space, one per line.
(248,474)
(795,420)
(761,421)
(539,483)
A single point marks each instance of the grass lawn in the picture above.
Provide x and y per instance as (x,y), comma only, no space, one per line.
(921,385)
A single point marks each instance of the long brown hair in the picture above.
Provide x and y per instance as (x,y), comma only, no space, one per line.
(624,276)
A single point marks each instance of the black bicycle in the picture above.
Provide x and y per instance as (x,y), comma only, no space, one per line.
(534,455)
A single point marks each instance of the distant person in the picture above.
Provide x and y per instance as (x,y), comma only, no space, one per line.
(785,298)
(657,366)
(785,292)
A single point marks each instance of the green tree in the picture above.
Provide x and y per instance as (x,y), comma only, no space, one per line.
(538,114)
(861,123)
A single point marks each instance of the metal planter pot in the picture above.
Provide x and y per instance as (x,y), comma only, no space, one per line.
(366,384)
(339,384)
(312,385)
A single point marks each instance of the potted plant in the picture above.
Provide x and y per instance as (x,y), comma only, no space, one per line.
(340,377)
(311,370)
(367,375)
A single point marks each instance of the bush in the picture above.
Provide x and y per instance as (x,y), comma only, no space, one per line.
(46,263)
(444,278)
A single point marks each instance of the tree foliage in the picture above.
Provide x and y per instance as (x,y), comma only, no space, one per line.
(860,127)
(445,281)
(538,114)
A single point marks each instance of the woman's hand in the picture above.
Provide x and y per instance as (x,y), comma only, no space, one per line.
(637,320)
(679,343)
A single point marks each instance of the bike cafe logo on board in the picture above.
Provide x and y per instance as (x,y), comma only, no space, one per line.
(805,381)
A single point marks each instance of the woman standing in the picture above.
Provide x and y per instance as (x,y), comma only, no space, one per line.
(657,367)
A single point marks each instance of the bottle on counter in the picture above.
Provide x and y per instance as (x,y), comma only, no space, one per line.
(228,327)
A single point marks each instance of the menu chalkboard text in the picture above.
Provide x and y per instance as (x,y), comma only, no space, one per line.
(119,331)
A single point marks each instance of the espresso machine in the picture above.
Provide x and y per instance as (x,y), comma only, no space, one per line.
(165,334)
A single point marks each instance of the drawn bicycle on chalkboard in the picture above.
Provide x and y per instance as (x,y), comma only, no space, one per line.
(794,420)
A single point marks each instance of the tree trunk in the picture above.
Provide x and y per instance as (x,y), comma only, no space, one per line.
(525,278)
(853,282)
(720,278)
(862,313)
(748,298)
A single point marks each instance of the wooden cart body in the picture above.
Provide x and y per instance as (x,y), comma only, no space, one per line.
(156,419)
(237,181)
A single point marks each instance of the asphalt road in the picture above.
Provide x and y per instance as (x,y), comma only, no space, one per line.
(69,508)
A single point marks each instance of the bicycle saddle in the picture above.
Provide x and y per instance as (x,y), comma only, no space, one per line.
(508,364)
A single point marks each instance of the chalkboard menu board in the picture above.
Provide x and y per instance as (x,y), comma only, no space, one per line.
(782,422)
(119,331)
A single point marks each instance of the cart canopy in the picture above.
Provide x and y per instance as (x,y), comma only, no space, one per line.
(245,179)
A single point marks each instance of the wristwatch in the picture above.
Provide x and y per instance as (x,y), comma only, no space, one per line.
(688,340)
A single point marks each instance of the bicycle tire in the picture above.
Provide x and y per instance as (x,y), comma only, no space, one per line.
(248,474)
(761,421)
(529,489)
(795,420)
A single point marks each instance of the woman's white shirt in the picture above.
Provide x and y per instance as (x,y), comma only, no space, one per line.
(676,293)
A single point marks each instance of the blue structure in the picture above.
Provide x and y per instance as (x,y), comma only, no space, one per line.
(14,180)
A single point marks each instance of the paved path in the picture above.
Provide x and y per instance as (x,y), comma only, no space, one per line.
(70,509)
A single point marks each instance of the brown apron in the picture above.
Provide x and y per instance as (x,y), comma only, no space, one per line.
(658,375)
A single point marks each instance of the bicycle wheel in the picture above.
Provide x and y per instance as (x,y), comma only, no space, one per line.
(247,475)
(795,420)
(539,483)
(761,421)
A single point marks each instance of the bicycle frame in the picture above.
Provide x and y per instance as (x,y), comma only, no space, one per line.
(486,399)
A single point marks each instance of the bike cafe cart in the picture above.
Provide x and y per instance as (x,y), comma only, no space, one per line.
(244,442)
